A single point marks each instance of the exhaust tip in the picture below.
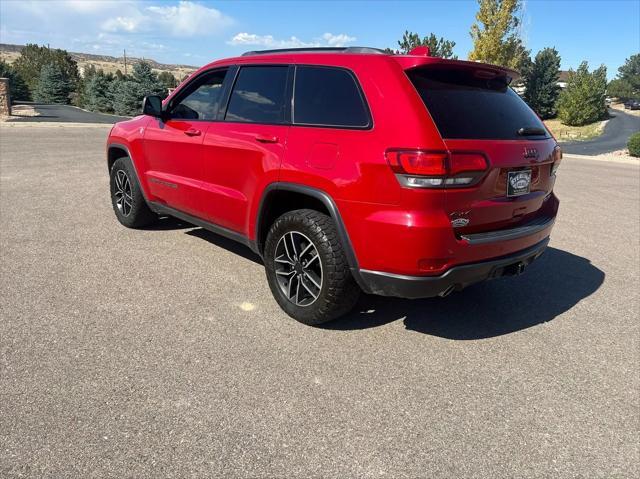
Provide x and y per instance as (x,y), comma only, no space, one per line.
(447,292)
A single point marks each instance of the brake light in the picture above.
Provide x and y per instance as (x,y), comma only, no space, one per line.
(436,169)
(557,158)
(417,162)
(462,162)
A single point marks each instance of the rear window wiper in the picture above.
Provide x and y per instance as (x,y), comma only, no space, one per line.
(531,131)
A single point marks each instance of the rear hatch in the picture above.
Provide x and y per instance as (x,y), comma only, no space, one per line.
(477,113)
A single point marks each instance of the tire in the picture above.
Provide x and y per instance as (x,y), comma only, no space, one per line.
(312,284)
(131,209)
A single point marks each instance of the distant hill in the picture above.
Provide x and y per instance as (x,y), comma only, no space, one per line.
(108,63)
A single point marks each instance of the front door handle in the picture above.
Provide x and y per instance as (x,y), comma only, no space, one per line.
(192,132)
(267,139)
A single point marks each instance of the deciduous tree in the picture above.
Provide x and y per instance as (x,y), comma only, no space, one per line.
(496,34)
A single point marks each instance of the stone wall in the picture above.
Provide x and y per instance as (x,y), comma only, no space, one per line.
(5,97)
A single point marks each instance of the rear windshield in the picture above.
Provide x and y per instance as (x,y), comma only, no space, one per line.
(464,106)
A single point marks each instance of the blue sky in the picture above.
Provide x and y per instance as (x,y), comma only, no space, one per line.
(196,32)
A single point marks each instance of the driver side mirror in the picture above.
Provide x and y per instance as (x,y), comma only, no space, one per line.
(152,106)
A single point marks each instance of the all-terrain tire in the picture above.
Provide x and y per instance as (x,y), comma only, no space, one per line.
(127,200)
(338,292)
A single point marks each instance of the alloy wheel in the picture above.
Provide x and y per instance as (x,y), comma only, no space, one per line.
(298,268)
(124,198)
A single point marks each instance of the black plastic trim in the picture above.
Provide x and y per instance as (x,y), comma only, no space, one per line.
(456,278)
(331,206)
(509,234)
(214,228)
(120,146)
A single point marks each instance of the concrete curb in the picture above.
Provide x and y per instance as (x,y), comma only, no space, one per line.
(51,124)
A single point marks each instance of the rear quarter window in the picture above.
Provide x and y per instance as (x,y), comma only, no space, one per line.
(325,96)
(464,106)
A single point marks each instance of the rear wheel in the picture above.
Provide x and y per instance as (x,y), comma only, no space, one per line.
(126,196)
(307,269)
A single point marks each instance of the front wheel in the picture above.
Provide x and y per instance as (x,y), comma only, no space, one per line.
(307,268)
(126,196)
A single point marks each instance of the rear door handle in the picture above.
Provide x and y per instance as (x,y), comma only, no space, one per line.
(192,132)
(267,139)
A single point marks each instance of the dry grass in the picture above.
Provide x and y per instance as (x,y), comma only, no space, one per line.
(565,132)
(107,66)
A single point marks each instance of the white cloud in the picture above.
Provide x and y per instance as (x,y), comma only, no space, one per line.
(189,19)
(184,19)
(122,24)
(337,40)
(269,41)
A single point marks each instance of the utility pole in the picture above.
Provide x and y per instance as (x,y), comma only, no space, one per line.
(125,62)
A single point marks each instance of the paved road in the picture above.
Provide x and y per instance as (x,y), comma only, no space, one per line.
(615,136)
(161,353)
(68,114)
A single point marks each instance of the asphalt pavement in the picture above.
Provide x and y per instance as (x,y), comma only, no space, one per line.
(67,114)
(614,137)
(161,353)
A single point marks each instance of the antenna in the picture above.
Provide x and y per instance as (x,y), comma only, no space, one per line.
(125,62)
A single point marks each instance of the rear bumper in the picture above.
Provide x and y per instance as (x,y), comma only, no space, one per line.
(456,278)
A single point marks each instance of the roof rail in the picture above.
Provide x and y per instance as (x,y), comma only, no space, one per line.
(376,51)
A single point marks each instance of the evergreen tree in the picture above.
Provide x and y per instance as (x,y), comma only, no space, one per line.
(541,82)
(97,91)
(52,86)
(167,80)
(79,96)
(17,87)
(127,94)
(439,47)
(147,80)
(627,83)
(496,35)
(33,58)
(582,101)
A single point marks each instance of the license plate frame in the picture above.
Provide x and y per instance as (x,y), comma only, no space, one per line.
(518,183)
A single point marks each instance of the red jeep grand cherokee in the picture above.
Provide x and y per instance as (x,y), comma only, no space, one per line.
(347,169)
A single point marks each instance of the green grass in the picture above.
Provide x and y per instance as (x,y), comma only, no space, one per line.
(565,132)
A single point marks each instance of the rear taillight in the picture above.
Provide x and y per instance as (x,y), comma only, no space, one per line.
(436,169)
(557,158)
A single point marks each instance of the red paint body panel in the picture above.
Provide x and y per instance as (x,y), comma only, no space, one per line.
(222,173)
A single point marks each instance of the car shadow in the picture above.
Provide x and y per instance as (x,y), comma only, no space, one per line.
(552,285)
(226,243)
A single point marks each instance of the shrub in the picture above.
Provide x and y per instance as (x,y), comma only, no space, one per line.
(634,145)
(582,101)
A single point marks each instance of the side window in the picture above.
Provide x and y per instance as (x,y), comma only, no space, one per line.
(202,100)
(328,96)
(259,95)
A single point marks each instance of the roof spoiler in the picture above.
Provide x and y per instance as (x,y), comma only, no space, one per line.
(408,62)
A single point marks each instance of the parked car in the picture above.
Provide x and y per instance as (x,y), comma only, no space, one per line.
(632,105)
(347,170)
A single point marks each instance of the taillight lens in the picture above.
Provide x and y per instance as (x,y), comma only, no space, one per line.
(416,162)
(436,169)
(557,158)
